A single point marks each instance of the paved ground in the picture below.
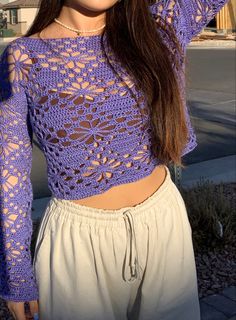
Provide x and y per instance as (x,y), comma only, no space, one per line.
(210,90)
(216,170)
(219,306)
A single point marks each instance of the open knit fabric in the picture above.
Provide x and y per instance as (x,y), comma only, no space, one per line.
(91,122)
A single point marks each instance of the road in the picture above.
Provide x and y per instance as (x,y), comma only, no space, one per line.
(210,89)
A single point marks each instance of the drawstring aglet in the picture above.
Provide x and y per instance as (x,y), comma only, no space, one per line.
(133,270)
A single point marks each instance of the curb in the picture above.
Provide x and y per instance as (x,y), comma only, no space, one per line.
(219,44)
(216,170)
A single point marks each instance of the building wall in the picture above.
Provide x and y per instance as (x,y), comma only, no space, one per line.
(17,28)
(25,19)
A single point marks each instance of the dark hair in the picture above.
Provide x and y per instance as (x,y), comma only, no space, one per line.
(153,65)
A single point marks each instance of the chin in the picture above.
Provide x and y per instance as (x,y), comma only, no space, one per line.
(96,5)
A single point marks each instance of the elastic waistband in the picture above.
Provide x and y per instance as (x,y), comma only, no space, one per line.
(70,208)
(125,216)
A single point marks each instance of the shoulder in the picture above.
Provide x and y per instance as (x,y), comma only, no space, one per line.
(15,61)
(14,43)
(20,51)
(13,48)
(21,43)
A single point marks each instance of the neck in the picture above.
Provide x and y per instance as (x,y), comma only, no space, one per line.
(81,18)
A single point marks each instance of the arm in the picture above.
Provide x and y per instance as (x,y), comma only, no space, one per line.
(17,280)
(188,17)
(198,13)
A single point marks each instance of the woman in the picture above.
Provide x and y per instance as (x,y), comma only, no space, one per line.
(101,84)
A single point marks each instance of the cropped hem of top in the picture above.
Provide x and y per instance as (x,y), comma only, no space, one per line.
(90,120)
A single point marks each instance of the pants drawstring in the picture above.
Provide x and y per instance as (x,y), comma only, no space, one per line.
(135,268)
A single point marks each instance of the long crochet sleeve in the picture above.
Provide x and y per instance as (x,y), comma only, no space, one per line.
(17,280)
(188,17)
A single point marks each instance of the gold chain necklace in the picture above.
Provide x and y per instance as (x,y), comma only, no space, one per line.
(77,30)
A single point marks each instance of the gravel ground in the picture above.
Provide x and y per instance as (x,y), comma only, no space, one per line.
(216,268)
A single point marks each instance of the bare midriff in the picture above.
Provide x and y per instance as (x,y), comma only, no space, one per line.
(127,195)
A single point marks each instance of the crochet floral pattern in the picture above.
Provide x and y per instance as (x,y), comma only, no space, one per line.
(91,122)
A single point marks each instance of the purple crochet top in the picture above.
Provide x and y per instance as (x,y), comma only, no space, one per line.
(89,119)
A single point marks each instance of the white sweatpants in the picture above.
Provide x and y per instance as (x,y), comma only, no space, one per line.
(134,263)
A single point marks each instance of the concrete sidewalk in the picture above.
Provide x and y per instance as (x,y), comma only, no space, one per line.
(216,171)
(220,306)
(213,44)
